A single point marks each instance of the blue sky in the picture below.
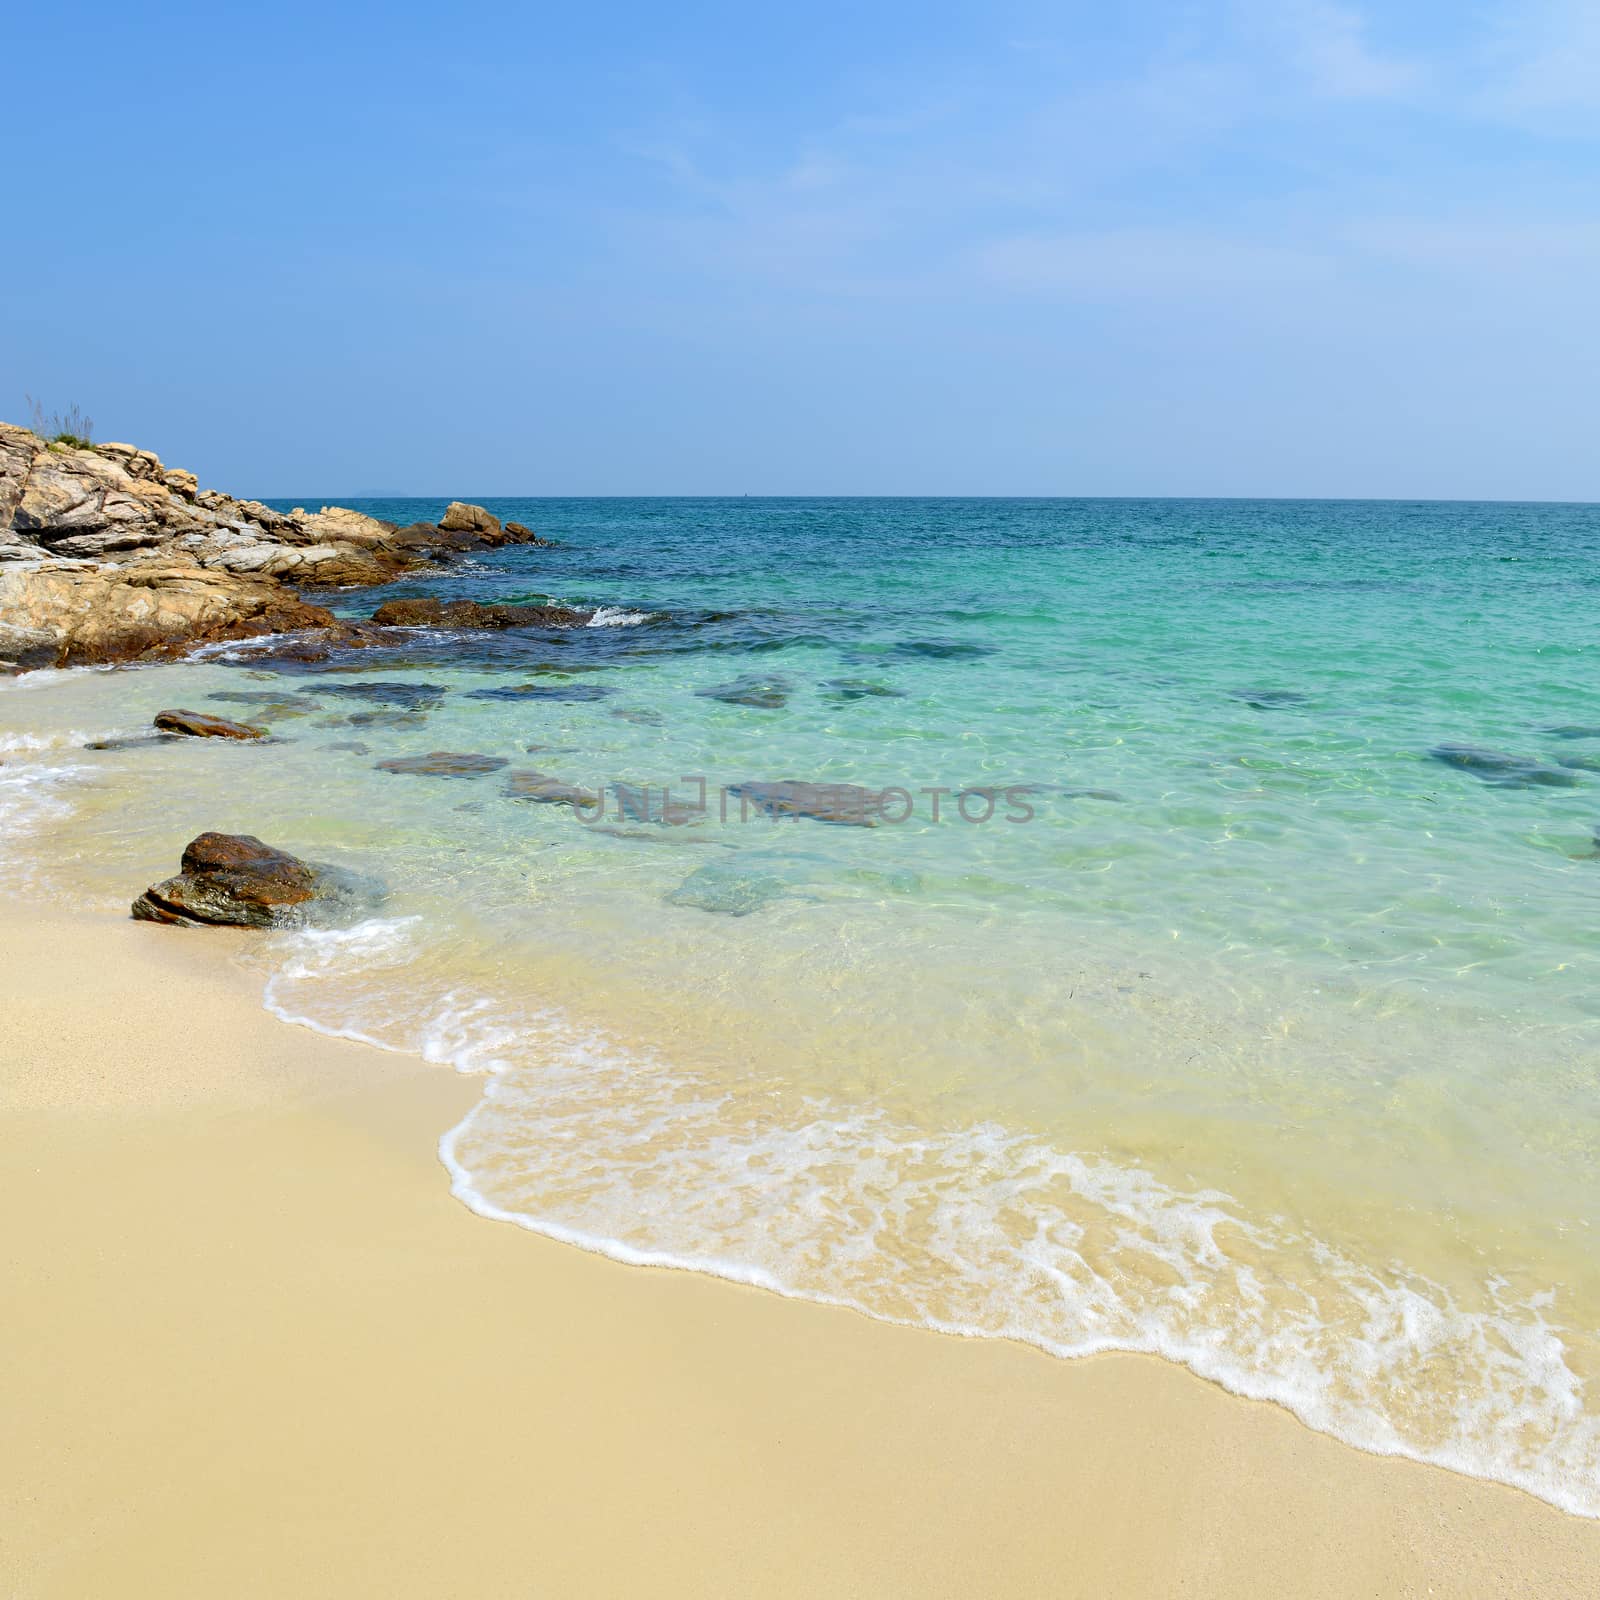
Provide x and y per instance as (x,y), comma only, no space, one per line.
(1248,247)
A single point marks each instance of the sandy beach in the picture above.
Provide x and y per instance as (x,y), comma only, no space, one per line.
(255,1348)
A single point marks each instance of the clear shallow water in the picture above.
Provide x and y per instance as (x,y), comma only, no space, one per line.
(1268,1041)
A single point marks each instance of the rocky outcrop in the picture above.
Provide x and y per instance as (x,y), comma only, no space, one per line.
(57,613)
(428,612)
(234,880)
(459,517)
(200,725)
(108,555)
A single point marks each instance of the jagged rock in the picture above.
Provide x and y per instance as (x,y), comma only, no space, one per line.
(230,880)
(107,555)
(459,517)
(58,613)
(443,764)
(234,880)
(428,612)
(516,533)
(197,725)
(339,524)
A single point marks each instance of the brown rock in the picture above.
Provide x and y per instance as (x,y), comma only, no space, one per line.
(459,517)
(429,612)
(107,555)
(845,803)
(229,880)
(544,790)
(59,614)
(200,726)
(516,533)
(443,764)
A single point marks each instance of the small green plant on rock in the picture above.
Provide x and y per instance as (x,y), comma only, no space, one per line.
(71,427)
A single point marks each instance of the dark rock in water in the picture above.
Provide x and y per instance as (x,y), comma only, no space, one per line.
(234,880)
(845,803)
(443,764)
(197,725)
(1580,763)
(353,746)
(942,649)
(387,717)
(272,708)
(133,741)
(859,689)
(410,695)
(644,803)
(765,694)
(729,889)
(643,719)
(1269,699)
(1574,730)
(1502,770)
(303,652)
(544,790)
(429,612)
(646,836)
(525,535)
(545,691)
(268,704)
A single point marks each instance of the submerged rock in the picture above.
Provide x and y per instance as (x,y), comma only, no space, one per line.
(430,612)
(133,741)
(764,694)
(645,803)
(642,719)
(197,725)
(412,696)
(730,889)
(234,880)
(942,649)
(443,764)
(542,789)
(545,691)
(1502,770)
(269,704)
(1574,730)
(1269,699)
(859,689)
(844,803)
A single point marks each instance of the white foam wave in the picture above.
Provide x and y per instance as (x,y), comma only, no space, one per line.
(616,617)
(980,1231)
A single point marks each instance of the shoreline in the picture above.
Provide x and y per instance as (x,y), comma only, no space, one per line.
(259,1349)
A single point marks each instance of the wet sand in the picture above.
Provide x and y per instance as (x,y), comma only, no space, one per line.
(255,1348)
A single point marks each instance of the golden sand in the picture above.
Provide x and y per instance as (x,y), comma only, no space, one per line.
(253,1348)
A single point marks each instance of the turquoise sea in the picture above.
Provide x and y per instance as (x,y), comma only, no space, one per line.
(1224,986)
